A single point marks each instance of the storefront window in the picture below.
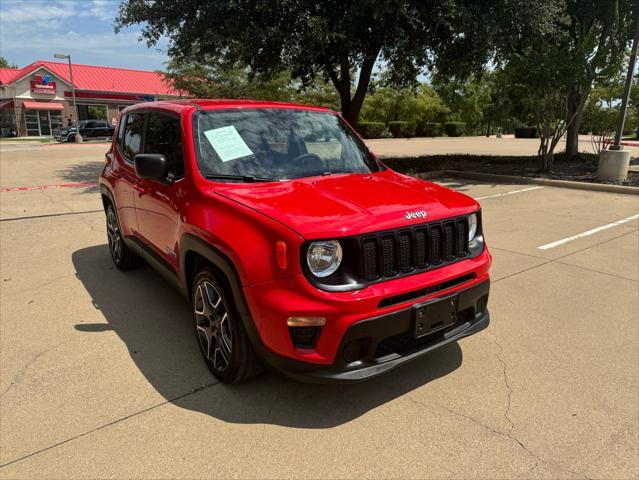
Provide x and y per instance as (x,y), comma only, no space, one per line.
(42,122)
(92,112)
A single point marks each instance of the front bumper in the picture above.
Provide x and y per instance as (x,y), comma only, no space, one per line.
(386,342)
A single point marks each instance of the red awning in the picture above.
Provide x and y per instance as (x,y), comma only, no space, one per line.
(43,105)
(6,104)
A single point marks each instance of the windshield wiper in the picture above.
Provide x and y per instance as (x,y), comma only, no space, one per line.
(241,178)
(336,172)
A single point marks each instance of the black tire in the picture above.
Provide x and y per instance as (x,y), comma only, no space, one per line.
(219,331)
(122,256)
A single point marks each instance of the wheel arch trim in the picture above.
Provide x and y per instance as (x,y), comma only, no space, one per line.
(191,243)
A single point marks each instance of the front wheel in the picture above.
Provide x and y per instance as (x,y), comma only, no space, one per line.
(219,330)
(122,256)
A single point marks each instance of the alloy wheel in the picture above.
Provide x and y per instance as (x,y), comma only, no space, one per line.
(213,327)
(114,237)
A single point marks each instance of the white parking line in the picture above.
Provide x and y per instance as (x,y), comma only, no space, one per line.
(587,233)
(508,193)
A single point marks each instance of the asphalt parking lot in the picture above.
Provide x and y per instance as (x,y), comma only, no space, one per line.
(101,376)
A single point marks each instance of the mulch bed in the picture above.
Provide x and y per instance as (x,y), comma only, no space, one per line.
(582,168)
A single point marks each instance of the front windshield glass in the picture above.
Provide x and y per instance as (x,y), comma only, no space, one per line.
(277,144)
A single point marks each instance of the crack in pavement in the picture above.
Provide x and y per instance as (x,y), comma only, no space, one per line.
(508,435)
(17,378)
(114,422)
(500,351)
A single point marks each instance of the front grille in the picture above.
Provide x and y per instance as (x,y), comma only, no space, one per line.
(401,251)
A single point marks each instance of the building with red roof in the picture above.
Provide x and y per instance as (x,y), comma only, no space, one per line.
(37,99)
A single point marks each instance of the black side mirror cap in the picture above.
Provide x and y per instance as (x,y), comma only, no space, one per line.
(152,166)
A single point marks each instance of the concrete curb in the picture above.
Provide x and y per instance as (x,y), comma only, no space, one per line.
(594,187)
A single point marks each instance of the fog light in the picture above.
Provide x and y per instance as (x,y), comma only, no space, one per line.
(306,321)
(352,351)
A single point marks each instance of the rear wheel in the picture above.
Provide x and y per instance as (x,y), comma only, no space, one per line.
(219,330)
(122,256)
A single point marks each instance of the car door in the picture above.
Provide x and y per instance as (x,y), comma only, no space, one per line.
(88,130)
(100,128)
(126,185)
(158,203)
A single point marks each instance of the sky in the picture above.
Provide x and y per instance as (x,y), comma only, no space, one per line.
(36,29)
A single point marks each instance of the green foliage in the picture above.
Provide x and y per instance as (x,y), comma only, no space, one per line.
(388,104)
(402,129)
(429,163)
(455,129)
(329,40)
(210,80)
(467,100)
(371,129)
(429,129)
(5,64)
(598,119)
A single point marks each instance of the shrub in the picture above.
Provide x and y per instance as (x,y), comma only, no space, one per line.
(401,129)
(526,132)
(429,129)
(454,129)
(371,129)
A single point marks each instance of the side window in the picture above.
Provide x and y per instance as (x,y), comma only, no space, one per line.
(163,136)
(121,131)
(133,134)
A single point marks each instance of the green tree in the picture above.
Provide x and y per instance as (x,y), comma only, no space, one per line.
(329,39)
(467,100)
(214,80)
(597,33)
(411,104)
(537,76)
(554,73)
(5,64)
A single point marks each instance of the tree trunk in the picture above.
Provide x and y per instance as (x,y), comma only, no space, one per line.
(576,102)
(351,106)
(572,135)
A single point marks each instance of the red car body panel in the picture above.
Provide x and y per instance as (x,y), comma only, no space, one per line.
(245,221)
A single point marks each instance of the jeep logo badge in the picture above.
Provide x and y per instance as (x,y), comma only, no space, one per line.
(417,214)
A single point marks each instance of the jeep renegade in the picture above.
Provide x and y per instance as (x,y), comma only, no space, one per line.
(296,247)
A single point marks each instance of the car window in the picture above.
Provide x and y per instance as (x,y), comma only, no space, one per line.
(133,134)
(163,136)
(277,143)
(100,124)
(89,125)
(121,130)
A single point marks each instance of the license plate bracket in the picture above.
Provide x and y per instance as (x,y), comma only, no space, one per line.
(434,315)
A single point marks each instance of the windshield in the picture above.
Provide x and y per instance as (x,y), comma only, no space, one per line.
(276,144)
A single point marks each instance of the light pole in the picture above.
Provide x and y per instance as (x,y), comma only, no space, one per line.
(614,162)
(626,91)
(78,137)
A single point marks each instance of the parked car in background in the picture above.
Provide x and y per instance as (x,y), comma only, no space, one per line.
(89,129)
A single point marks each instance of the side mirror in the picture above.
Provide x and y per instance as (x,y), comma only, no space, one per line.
(152,166)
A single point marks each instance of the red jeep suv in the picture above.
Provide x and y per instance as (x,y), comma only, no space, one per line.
(296,247)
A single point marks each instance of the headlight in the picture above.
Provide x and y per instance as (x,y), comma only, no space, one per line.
(323,258)
(472,226)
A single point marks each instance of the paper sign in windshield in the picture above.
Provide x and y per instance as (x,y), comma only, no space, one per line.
(228,143)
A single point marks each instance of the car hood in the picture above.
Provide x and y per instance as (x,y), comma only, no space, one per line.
(343,205)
